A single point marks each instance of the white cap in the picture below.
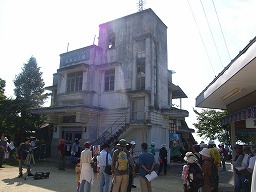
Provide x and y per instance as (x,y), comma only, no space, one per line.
(163,145)
(133,143)
(152,143)
(211,142)
(205,152)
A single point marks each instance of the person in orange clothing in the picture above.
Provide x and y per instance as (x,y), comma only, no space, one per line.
(207,169)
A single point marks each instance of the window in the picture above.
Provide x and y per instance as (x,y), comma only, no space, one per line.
(111,41)
(74,81)
(140,82)
(69,119)
(109,80)
(172,124)
(140,63)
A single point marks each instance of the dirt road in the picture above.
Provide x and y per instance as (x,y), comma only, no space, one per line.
(64,181)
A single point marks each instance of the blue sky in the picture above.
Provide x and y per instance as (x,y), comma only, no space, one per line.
(44,28)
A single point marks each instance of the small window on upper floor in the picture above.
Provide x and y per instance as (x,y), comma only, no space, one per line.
(109,80)
(111,41)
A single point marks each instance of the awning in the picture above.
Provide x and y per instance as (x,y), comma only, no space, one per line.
(240,115)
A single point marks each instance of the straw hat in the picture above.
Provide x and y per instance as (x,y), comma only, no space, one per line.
(190,158)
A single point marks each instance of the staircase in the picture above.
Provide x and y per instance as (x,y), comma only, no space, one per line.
(112,134)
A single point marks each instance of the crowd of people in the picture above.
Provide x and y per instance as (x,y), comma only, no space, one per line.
(125,164)
(200,173)
(25,153)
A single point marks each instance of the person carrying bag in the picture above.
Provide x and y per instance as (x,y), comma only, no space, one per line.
(108,167)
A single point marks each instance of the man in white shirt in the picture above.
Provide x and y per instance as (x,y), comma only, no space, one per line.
(252,160)
(102,161)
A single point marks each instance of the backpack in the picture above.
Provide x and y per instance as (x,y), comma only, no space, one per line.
(215,178)
(122,162)
(199,158)
(195,176)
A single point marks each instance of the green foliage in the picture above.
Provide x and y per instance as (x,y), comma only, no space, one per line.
(2,89)
(29,85)
(209,124)
(16,119)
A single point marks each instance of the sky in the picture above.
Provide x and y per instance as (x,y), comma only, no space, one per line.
(203,36)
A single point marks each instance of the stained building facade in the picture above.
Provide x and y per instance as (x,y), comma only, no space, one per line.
(120,88)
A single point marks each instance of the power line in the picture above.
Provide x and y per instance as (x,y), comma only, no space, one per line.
(211,33)
(201,38)
(221,29)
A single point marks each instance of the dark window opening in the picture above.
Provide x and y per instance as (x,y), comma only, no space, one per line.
(69,119)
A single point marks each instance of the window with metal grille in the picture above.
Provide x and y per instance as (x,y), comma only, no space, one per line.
(74,81)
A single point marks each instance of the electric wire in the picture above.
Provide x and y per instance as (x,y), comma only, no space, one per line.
(221,29)
(201,38)
(211,33)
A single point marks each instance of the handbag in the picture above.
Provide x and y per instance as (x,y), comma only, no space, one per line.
(108,167)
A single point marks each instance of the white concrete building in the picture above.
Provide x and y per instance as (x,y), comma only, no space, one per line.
(120,88)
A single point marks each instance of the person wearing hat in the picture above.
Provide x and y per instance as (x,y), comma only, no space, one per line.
(87,174)
(207,169)
(120,167)
(61,155)
(215,154)
(192,167)
(23,152)
(152,149)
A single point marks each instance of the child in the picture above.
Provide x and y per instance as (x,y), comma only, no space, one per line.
(78,172)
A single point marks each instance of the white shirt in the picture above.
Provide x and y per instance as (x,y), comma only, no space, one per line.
(244,163)
(253,185)
(252,162)
(86,170)
(102,158)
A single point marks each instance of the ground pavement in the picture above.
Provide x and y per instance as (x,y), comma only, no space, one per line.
(64,181)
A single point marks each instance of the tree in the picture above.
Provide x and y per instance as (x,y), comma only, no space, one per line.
(29,91)
(209,124)
(2,89)
(29,85)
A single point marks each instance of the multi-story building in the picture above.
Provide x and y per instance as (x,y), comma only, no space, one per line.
(120,88)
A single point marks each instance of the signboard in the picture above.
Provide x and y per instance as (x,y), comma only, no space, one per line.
(175,136)
(250,123)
